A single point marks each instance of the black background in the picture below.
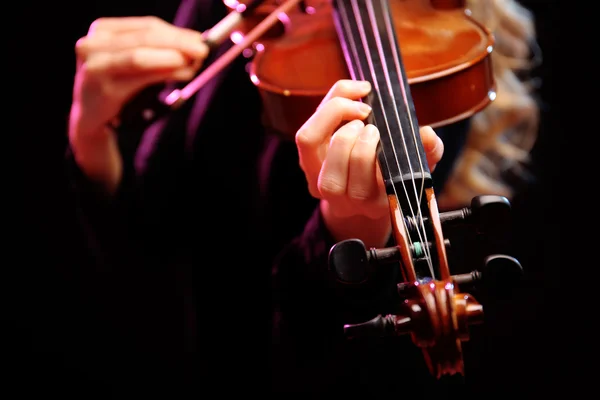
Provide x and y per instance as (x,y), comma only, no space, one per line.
(522,345)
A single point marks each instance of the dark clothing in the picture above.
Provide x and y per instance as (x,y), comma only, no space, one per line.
(183,256)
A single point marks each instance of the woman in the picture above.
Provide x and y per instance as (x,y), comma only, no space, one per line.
(177,216)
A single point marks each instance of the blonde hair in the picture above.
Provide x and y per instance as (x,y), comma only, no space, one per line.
(503,134)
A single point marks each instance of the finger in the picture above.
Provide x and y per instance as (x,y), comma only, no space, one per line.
(123,24)
(81,51)
(333,179)
(347,88)
(433,146)
(135,61)
(129,85)
(187,41)
(363,173)
(116,92)
(321,126)
(380,181)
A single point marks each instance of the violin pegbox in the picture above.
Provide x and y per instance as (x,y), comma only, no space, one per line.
(434,311)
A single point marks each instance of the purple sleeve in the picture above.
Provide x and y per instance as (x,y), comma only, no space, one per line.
(103,217)
(311,308)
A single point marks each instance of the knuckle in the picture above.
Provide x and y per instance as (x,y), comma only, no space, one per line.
(342,85)
(337,102)
(81,45)
(343,138)
(302,137)
(331,187)
(92,68)
(154,21)
(137,58)
(314,191)
(97,24)
(360,157)
(358,194)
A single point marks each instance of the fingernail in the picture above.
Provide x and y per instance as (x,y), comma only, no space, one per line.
(365,85)
(363,107)
(356,125)
(439,142)
(369,133)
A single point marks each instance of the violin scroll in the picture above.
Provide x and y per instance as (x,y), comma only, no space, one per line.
(434,311)
(436,316)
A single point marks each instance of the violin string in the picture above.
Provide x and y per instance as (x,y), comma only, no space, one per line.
(395,53)
(377,91)
(350,39)
(421,231)
(362,31)
(373,21)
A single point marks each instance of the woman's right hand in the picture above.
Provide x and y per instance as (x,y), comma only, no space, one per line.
(115,60)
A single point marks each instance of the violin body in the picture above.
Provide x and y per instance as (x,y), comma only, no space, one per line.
(446,54)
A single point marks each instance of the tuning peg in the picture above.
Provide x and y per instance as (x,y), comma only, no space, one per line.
(491,213)
(351,262)
(380,326)
(487,213)
(502,271)
(498,273)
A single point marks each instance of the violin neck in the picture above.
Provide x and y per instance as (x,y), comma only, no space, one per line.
(372,53)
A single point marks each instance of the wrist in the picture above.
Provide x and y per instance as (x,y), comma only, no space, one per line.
(99,158)
(374,232)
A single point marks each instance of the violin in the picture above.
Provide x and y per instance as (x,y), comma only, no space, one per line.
(446,59)
(428,62)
